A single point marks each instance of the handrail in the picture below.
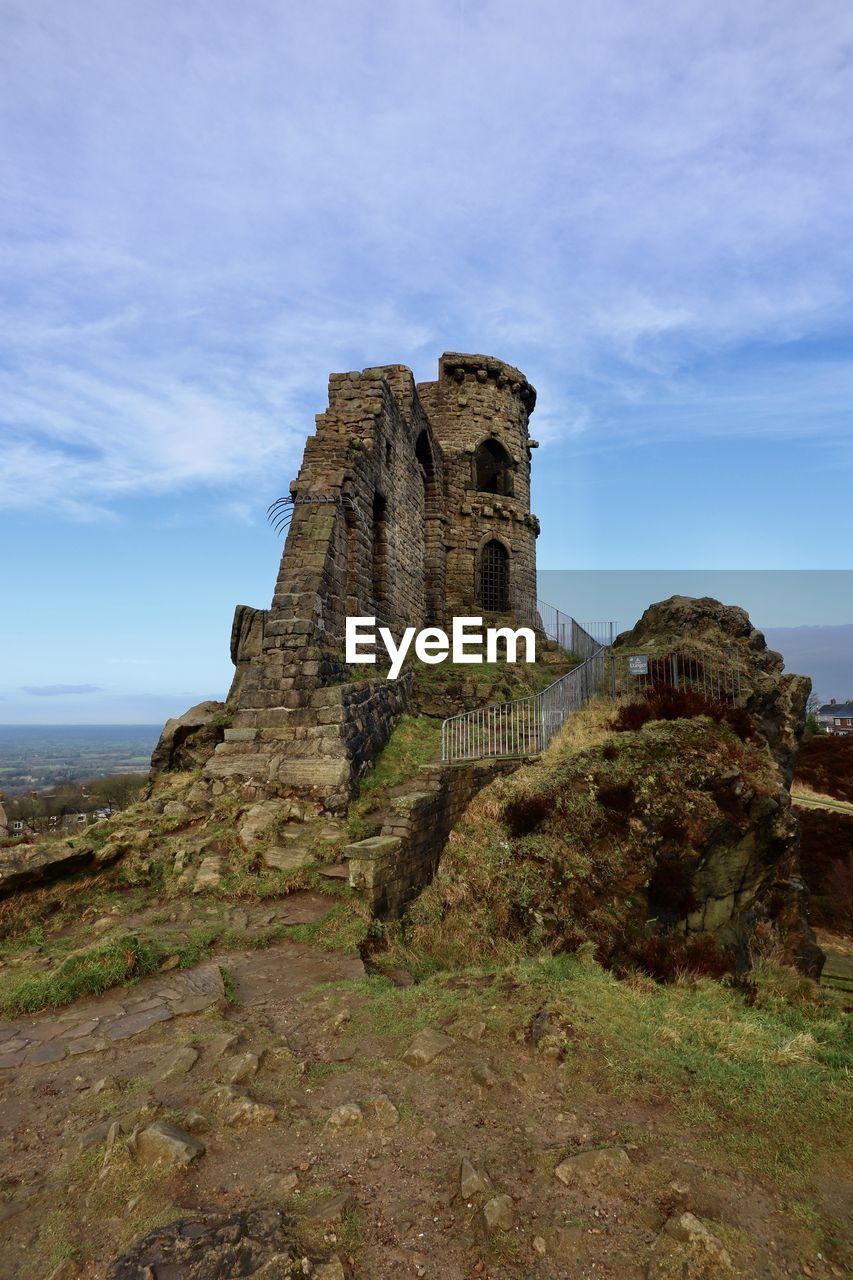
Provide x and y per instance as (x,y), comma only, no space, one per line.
(523,726)
(582,639)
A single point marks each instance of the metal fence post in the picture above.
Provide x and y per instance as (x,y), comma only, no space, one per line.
(612,661)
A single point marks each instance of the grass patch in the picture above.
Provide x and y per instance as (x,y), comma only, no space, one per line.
(115,961)
(343,929)
(228,985)
(766,1084)
(123,958)
(107,1225)
(88,972)
(415,741)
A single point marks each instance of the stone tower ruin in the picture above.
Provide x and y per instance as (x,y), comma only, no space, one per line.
(412,505)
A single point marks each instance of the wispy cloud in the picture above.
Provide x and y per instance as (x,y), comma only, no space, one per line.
(60,690)
(208,208)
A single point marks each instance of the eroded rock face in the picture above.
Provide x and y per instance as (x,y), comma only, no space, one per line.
(668,842)
(24,865)
(4,824)
(776,702)
(777,705)
(189,741)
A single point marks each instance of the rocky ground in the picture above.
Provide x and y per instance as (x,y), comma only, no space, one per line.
(215,1063)
(290,1109)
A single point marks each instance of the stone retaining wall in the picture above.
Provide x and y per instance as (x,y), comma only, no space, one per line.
(317,752)
(393,867)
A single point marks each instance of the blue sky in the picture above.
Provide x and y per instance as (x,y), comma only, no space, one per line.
(207,207)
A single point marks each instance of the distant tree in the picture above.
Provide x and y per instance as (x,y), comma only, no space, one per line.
(114,792)
(38,810)
(813,705)
(43,811)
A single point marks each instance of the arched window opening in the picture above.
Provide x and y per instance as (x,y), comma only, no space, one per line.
(433,534)
(352,603)
(493,578)
(380,549)
(423,453)
(493,469)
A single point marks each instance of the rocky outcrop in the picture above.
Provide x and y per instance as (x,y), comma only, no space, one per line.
(4,824)
(24,865)
(776,702)
(208,1246)
(189,741)
(247,643)
(667,840)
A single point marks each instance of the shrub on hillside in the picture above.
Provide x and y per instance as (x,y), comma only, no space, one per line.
(665,702)
(670,956)
(826,765)
(826,862)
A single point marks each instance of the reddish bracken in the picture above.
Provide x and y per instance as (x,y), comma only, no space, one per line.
(664,702)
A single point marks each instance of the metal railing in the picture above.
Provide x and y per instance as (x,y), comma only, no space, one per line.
(524,726)
(581,639)
(527,725)
(716,679)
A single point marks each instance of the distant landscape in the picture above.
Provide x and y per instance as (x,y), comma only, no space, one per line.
(34,757)
(37,757)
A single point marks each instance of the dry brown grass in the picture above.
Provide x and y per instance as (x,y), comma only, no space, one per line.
(584,729)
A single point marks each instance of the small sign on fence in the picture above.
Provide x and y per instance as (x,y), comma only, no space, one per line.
(638,664)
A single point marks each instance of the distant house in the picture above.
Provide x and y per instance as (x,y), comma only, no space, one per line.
(836,717)
(69,821)
(17,827)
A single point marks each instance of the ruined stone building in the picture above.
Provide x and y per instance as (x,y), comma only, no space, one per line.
(412,505)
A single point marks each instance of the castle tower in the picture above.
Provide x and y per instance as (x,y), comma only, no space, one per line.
(412,504)
(480,408)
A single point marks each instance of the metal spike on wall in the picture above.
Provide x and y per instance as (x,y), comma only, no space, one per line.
(280,512)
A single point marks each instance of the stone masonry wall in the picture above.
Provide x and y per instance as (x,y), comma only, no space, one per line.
(386,523)
(393,867)
(478,398)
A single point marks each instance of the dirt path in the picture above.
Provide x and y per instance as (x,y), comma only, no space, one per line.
(809,801)
(432,1141)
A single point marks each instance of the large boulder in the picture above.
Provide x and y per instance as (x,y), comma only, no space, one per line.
(23,865)
(247,642)
(4,823)
(189,741)
(665,840)
(703,626)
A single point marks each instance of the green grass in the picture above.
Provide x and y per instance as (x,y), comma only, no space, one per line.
(228,985)
(127,956)
(115,961)
(88,972)
(765,1084)
(414,741)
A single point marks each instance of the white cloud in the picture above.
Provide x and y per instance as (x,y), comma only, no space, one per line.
(60,690)
(208,207)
